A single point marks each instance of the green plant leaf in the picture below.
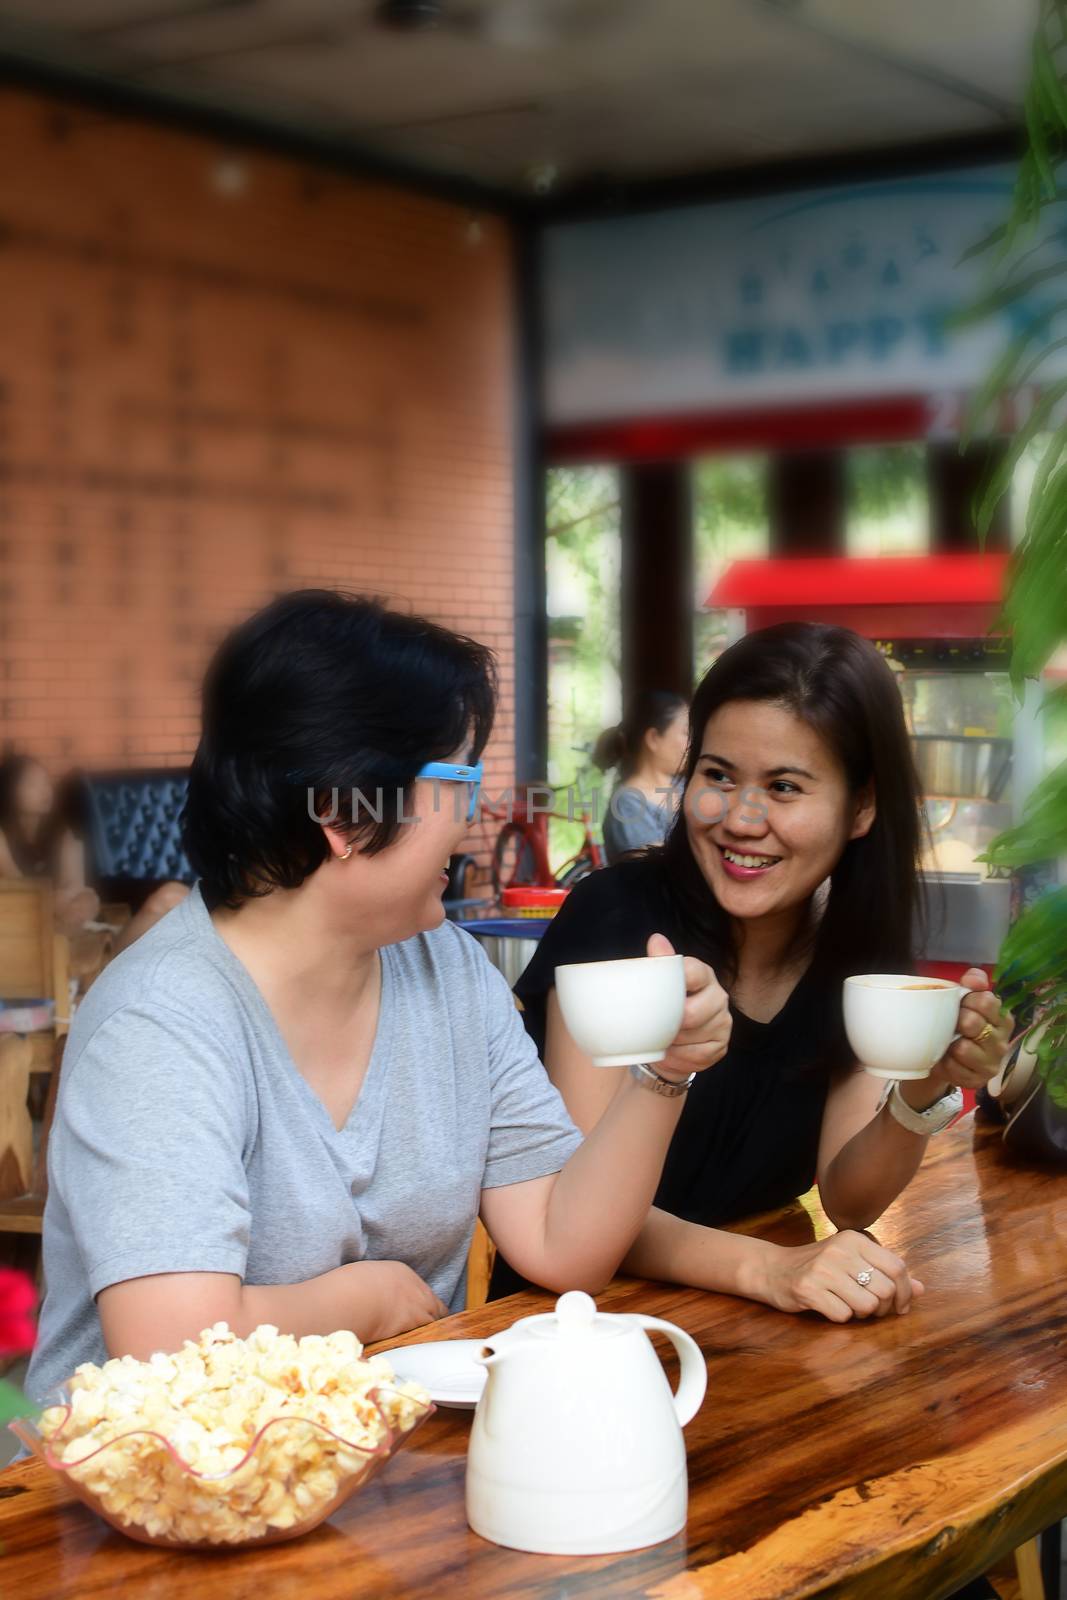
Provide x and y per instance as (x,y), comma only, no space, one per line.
(1034,366)
(1034,938)
(1045,241)
(1049,84)
(1043,524)
(1035,604)
(1052,1063)
(1042,834)
(1005,294)
(1004,377)
(13,1403)
(1035,126)
(1032,965)
(996,236)
(1000,479)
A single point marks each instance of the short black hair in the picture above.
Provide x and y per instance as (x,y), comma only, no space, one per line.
(322,691)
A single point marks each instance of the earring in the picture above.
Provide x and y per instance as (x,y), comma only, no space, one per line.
(346,853)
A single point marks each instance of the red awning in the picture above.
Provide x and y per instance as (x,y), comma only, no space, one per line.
(826,581)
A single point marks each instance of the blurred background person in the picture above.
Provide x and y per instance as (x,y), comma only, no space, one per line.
(647,751)
(41,837)
(36,841)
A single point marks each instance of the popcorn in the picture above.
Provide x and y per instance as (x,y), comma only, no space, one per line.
(209,1402)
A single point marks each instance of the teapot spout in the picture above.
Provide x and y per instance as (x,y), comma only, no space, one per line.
(491,1357)
(495,1345)
(494,1350)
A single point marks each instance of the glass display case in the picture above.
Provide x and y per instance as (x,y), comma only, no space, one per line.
(958,707)
(959,712)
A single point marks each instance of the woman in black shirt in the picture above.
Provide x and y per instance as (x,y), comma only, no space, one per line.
(793,864)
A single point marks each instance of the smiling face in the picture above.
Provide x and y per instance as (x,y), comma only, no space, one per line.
(399,891)
(768,810)
(419,868)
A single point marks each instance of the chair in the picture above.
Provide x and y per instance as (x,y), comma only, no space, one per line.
(1028,1571)
(479,1267)
(131,824)
(23,1177)
(34,965)
(1031,1572)
(34,958)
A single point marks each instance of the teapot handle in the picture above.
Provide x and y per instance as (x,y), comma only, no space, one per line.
(694,1376)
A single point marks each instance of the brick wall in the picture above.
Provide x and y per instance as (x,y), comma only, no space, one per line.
(223,375)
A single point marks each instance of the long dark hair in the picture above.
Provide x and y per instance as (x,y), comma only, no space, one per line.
(842,688)
(329,693)
(621,746)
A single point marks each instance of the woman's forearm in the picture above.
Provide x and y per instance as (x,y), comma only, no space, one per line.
(375,1299)
(870,1171)
(319,1305)
(821,1276)
(675,1251)
(141,1315)
(601,1197)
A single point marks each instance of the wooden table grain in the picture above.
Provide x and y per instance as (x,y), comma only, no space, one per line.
(892,1459)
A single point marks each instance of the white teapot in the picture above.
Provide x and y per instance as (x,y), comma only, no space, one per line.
(577,1445)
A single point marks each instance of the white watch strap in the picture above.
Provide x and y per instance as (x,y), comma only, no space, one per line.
(934,1119)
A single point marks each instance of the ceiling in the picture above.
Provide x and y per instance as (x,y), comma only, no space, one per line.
(545,96)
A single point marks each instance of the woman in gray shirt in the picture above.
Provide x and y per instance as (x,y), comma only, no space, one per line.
(647,749)
(289,1101)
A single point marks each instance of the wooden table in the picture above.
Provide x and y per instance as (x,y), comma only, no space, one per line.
(894,1459)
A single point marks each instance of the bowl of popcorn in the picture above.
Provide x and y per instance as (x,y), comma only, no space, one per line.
(230,1441)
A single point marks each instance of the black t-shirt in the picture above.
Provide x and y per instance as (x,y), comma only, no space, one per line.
(748,1136)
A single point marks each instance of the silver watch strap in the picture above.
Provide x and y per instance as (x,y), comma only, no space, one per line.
(934,1119)
(649,1078)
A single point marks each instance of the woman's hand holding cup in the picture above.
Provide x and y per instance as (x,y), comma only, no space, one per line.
(985,1030)
(897,1024)
(660,1008)
(704,1035)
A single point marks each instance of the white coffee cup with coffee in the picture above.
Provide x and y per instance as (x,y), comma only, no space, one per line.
(623,1012)
(900,1024)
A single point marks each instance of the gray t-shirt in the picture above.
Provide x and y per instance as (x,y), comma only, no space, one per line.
(185,1140)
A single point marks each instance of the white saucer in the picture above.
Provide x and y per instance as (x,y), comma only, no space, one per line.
(446,1367)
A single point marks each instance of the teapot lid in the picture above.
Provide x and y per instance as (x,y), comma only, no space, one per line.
(575,1317)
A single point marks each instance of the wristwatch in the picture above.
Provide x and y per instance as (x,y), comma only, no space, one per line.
(669,1088)
(934,1119)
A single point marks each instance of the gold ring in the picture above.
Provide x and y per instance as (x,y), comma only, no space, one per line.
(986,1033)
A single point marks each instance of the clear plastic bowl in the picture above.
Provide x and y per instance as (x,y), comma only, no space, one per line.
(158,1498)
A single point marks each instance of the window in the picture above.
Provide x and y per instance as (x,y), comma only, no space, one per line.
(582,554)
(731,523)
(887,501)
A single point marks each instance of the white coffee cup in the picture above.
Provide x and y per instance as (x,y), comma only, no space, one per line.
(621,1012)
(900,1023)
